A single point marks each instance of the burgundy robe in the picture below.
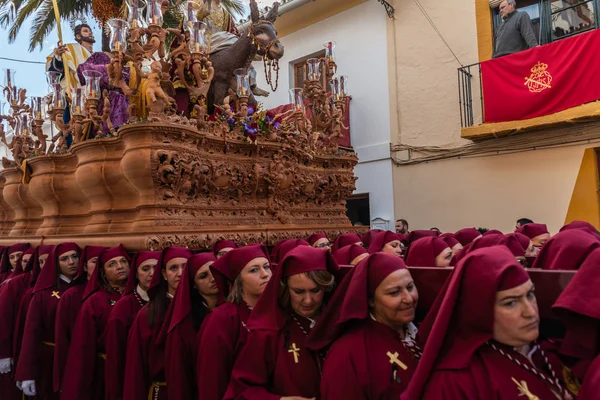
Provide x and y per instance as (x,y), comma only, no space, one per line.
(145,361)
(181,353)
(357,366)
(222,337)
(66,315)
(488,376)
(36,358)
(117,330)
(84,371)
(11,292)
(19,329)
(279,375)
(591,385)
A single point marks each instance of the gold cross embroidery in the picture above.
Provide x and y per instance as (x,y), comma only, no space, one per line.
(295,351)
(56,294)
(394,360)
(524,390)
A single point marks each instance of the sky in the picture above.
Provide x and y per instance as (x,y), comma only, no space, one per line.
(32,76)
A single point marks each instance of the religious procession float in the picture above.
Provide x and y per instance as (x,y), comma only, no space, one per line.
(161,141)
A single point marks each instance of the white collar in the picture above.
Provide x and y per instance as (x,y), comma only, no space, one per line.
(410,331)
(169,295)
(64,278)
(143,294)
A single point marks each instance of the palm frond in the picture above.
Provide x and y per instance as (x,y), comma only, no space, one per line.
(24,12)
(6,11)
(234,6)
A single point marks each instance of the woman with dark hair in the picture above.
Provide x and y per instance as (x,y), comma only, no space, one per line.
(37,346)
(196,296)
(369,325)
(121,318)
(222,247)
(11,293)
(84,371)
(480,336)
(68,308)
(386,242)
(145,362)
(224,331)
(10,258)
(279,326)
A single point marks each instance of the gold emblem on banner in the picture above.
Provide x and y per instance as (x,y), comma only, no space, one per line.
(540,79)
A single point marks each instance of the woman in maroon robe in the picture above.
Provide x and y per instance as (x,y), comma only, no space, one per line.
(279,326)
(197,294)
(480,336)
(36,358)
(10,258)
(84,371)
(367,237)
(68,308)
(223,333)
(121,318)
(578,308)
(537,233)
(38,263)
(285,247)
(369,322)
(452,242)
(429,252)
(145,364)
(346,239)
(350,255)
(222,247)
(581,225)
(467,235)
(10,299)
(319,241)
(567,250)
(386,242)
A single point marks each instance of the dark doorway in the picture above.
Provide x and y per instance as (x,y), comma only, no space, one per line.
(357,210)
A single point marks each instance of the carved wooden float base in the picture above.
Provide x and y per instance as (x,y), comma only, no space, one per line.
(162,184)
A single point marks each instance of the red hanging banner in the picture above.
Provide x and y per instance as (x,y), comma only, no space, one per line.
(542,80)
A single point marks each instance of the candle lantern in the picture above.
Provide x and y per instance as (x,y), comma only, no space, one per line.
(9,77)
(92,84)
(197,42)
(118,34)
(78,101)
(313,66)
(37,108)
(24,124)
(343,86)
(154,14)
(190,11)
(243,82)
(335,88)
(135,10)
(329,51)
(297,99)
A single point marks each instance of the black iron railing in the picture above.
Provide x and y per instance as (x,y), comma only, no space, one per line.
(469,88)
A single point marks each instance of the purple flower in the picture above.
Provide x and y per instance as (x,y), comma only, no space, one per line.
(250,110)
(231,121)
(277,125)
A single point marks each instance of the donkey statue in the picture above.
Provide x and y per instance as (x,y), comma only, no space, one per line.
(260,39)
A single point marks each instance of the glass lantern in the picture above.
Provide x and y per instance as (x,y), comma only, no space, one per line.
(344,86)
(335,88)
(92,84)
(118,34)
(190,11)
(243,82)
(78,101)
(329,51)
(135,11)
(24,124)
(313,66)
(297,99)
(37,108)
(9,77)
(198,41)
(154,14)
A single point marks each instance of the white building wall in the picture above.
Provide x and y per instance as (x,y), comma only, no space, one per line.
(361,54)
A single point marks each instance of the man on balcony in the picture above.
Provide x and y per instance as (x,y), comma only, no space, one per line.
(516,31)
